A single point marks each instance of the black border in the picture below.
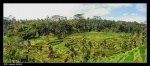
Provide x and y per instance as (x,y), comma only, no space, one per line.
(75,1)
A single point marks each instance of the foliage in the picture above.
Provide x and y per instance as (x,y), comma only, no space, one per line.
(57,39)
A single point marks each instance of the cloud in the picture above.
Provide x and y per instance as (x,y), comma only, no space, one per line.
(34,11)
(125,14)
(97,12)
(100,9)
(118,5)
(87,7)
(133,14)
(141,7)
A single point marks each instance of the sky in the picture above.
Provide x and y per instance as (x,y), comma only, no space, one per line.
(110,11)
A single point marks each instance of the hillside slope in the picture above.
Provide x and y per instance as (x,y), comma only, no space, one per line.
(138,54)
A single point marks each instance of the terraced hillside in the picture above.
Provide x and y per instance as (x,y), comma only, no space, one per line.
(80,47)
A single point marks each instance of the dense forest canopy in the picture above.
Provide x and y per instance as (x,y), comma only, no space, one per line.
(61,26)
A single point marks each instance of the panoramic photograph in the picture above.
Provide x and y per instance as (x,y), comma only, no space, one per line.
(74,33)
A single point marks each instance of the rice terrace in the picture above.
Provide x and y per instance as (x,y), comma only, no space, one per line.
(58,39)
